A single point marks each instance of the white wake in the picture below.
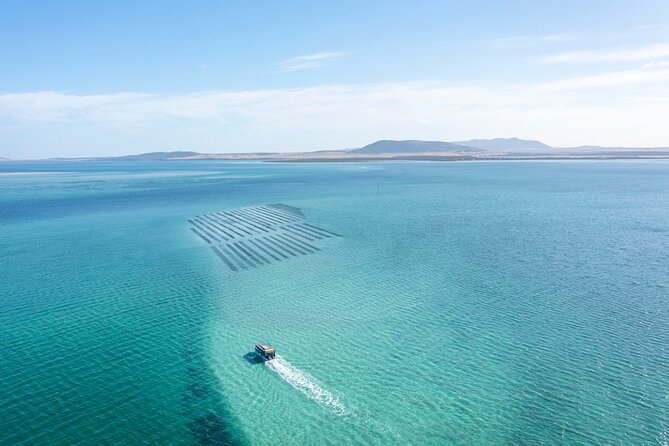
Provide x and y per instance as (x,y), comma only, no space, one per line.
(306,384)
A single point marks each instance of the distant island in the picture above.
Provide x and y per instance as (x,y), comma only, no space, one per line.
(413,146)
(413,150)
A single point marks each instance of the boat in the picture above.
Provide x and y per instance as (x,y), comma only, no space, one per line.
(265,351)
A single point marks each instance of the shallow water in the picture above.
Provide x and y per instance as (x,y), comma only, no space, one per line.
(465,303)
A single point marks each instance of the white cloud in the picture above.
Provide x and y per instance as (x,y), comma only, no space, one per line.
(309,61)
(657,64)
(605,109)
(657,28)
(531,40)
(612,79)
(609,55)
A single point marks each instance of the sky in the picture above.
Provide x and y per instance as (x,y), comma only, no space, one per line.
(81,78)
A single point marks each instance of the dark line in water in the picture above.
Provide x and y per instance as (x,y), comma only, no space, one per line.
(221,223)
(265,243)
(231,228)
(204,229)
(311,231)
(265,250)
(262,211)
(294,245)
(252,217)
(201,236)
(280,213)
(285,245)
(234,257)
(287,208)
(225,259)
(248,254)
(236,223)
(220,219)
(249,222)
(323,230)
(265,217)
(302,233)
(230,236)
(254,252)
(241,260)
(277,246)
(198,225)
(226,225)
(212,228)
(214,224)
(241,256)
(230,217)
(300,242)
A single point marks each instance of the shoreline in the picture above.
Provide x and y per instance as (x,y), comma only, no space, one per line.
(356,159)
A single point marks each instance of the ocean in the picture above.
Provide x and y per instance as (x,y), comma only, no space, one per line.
(446,303)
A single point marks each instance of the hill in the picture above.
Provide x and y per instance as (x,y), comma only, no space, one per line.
(154,156)
(412,146)
(504,144)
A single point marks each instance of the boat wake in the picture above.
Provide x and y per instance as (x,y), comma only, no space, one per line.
(307,384)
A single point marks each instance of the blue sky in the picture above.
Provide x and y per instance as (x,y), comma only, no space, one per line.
(104,78)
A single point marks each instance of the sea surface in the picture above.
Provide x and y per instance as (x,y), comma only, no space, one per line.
(463,303)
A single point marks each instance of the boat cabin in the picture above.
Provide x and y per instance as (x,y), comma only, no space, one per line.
(265,351)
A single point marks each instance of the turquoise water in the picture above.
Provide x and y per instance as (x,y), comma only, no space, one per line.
(464,304)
